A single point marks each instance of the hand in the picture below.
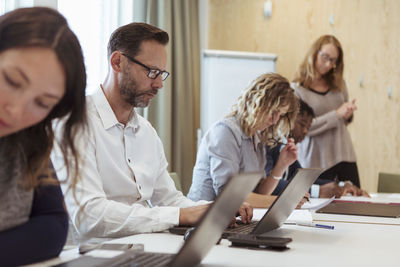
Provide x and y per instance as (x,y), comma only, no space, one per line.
(287,156)
(329,190)
(303,200)
(346,110)
(354,190)
(190,215)
(351,110)
(245,213)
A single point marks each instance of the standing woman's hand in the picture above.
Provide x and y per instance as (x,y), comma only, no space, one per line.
(346,110)
(352,107)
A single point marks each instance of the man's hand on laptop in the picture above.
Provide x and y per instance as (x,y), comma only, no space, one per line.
(246,214)
(190,215)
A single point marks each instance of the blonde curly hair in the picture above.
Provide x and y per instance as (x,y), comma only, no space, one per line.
(261,99)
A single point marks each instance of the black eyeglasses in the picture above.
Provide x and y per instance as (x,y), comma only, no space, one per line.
(152,73)
(325,57)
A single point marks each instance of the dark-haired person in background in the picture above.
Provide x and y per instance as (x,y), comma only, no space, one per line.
(125,186)
(42,77)
(322,188)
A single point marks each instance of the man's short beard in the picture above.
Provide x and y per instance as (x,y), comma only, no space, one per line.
(128,88)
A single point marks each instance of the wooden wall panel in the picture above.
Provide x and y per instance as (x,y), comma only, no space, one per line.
(369,33)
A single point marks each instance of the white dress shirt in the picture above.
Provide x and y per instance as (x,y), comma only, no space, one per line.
(123,172)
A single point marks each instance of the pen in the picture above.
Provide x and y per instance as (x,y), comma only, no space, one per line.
(317,225)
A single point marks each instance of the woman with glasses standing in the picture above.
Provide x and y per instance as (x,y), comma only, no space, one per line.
(319,82)
(237,143)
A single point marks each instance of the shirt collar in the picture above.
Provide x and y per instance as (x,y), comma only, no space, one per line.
(244,136)
(107,115)
(256,140)
(133,121)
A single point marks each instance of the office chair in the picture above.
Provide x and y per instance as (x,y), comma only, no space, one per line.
(388,183)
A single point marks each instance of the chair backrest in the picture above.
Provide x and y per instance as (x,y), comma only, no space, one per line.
(176,179)
(388,183)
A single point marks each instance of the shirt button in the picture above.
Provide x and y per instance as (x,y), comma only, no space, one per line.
(129,160)
(140,187)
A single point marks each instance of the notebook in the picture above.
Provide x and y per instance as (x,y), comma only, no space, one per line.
(280,209)
(363,208)
(202,239)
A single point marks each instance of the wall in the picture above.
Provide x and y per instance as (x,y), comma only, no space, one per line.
(368,31)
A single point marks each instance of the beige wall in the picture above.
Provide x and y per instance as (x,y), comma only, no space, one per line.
(370,36)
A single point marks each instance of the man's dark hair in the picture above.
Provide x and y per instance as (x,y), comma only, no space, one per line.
(128,38)
(305,109)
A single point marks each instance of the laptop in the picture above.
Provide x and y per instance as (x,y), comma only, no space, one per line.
(280,209)
(391,210)
(204,236)
(287,201)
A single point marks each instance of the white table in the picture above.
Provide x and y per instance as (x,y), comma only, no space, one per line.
(349,244)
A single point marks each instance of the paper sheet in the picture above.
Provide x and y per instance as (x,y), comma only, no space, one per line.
(297,216)
(317,203)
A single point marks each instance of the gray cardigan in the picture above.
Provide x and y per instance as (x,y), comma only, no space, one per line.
(328,141)
(15,201)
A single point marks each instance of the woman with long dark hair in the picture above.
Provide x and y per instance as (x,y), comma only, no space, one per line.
(42,78)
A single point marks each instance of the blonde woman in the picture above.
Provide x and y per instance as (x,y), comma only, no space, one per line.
(319,82)
(237,143)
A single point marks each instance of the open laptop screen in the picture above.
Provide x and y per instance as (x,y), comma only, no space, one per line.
(216,219)
(287,201)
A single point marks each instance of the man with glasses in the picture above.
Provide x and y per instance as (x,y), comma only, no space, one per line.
(322,188)
(125,187)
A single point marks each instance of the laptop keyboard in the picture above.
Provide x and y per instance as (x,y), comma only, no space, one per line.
(146,259)
(241,228)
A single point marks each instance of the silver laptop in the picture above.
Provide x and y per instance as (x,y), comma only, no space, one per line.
(283,205)
(203,237)
(216,219)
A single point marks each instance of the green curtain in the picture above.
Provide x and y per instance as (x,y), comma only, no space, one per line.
(175,112)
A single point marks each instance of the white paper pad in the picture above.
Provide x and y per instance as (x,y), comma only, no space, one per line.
(317,203)
(297,216)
